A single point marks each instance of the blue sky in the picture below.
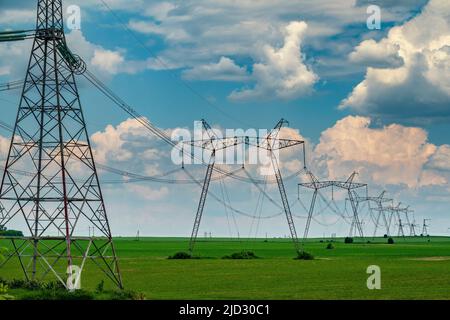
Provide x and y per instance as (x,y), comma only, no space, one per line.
(375,101)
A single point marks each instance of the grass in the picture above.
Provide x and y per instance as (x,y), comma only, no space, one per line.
(411,268)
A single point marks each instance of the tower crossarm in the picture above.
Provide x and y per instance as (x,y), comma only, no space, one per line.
(348,185)
(374,199)
(273,144)
(316,185)
(216,143)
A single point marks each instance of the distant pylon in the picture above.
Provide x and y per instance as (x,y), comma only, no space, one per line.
(348,185)
(62,195)
(425,227)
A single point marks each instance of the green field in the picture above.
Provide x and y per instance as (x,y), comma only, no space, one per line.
(412,268)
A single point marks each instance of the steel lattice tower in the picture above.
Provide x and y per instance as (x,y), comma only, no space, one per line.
(50,140)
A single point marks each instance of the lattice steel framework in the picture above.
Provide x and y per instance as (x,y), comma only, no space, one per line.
(425,227)
(348,185)
(382,211)
(396,213)
(270,143)
(50,140)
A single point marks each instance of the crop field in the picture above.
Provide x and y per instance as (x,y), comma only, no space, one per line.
(411,268)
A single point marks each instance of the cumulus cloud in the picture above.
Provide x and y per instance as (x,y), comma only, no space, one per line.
(107,60)
(149,193)
(405,4)
(417,90)
(224,70)
(197,34)
(4,147)
(100,60)
(13,16)
(441,159)
(104,61)
(14,58)
(381,54)
(282,72)
(126,141)
(172,34)
(393,154)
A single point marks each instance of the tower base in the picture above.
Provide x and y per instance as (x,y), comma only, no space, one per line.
(46,257)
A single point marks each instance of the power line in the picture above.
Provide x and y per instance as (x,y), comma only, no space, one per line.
(179,80)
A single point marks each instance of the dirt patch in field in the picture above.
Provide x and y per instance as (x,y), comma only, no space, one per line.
(432,259)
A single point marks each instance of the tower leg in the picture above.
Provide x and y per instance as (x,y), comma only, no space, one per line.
(285,201)
(201,203)
(310,213)
(376,224)
(355,214)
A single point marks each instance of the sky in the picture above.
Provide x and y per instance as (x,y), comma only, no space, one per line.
(375,101)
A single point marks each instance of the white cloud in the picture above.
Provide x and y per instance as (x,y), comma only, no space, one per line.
(100,60)
(14,58)
(149,193)
(171,34)
(121,143)
(107,60)
(441,159)
(382,54)
(197,34)
(161,10)
(5,70)
(417,90)
(4,147)
(393,154)
(14,16)
(224,70)
(282,72)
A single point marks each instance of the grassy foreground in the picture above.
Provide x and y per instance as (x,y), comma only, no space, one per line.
(412,268)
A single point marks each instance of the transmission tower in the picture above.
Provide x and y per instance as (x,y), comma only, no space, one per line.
(62,195)
(270,143)
(410,223)
(379,201)
(397,210)
(348,185)
(425,227)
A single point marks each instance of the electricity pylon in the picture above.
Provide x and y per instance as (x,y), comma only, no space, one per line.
(62,193)
(425,227)
(381,210)
(397,210)
(348,185)
(411,224)
(270,143)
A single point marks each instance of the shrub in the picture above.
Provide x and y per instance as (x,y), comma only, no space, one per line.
(100,287)
(11,233)
(4,292)
(385,236)
(32,284)
(303,255)
(58,294)
(330,246)
(126,295)
(390,240)
(348,240)
(241,255)
(181,255)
